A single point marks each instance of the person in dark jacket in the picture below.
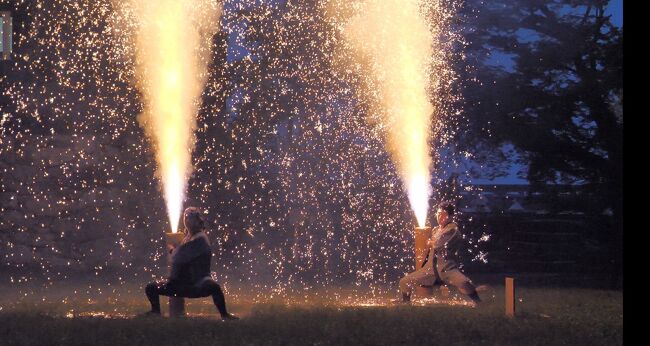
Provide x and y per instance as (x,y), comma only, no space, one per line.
(190,269)
(441,263)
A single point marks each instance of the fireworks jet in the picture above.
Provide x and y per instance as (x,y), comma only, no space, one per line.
(173,46)
(395,36)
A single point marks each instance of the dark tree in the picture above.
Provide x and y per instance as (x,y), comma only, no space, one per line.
(550,83)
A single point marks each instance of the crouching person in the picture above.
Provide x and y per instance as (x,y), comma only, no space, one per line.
(441,264)
(190,272)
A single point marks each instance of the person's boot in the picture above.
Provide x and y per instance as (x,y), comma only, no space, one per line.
(229,317)
(475,298)
(152,313)
(406,299)
(155,309)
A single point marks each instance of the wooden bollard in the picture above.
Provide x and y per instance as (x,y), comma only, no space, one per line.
(176,304)
(422,234)
(510,297)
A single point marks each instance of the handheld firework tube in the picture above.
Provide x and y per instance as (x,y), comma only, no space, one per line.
(176,304)
(422,234)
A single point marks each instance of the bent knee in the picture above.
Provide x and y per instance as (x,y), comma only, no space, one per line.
(151,288)
(406,281)
(466,287)
(211,284)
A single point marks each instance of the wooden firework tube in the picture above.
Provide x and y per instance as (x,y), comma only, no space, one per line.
(176,304)
(422,235)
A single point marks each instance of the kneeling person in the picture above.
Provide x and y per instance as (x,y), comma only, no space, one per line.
(440,266)
(190,273)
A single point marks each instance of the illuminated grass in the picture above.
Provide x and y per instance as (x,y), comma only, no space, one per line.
(545,316)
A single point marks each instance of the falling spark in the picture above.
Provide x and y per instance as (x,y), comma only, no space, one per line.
(283,152)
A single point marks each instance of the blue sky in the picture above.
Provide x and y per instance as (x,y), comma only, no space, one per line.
(615,8)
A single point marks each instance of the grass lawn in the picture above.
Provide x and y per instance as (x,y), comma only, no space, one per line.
(545,316)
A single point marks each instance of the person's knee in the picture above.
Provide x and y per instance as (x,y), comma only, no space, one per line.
(211,286)
(216,288)
(466,287)
(404,283)
(151,288)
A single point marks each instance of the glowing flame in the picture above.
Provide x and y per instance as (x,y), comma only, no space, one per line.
(419,192)
(395,35)
(173,46)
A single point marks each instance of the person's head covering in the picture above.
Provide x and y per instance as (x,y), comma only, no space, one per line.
(193,220)
(448,207)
